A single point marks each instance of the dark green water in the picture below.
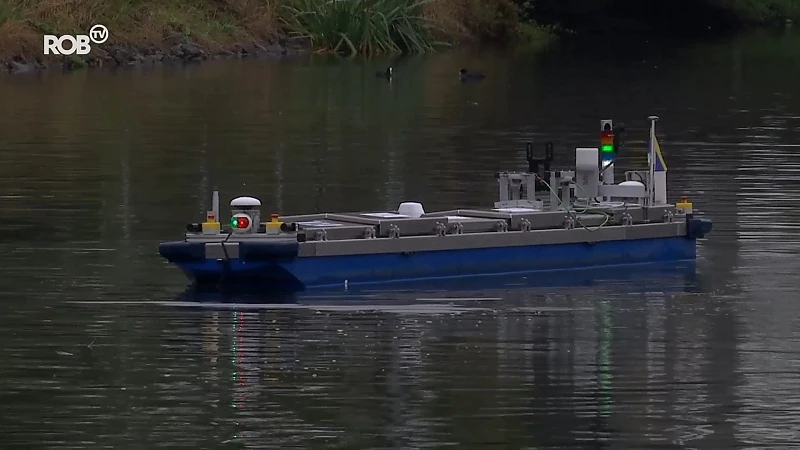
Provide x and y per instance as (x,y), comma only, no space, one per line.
(100,349)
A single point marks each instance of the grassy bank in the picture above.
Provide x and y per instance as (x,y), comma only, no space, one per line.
(344,26)
(763,12)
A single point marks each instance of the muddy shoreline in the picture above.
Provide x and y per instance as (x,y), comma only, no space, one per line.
(173,51)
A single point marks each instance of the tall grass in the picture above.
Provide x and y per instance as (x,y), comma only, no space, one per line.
(367,27)
(343,26)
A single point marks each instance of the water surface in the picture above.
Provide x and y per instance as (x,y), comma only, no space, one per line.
(102,348)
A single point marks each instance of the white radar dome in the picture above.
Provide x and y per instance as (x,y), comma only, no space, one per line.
(245,202)
(411,209)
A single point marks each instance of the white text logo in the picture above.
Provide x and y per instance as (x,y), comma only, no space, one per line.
(80,44)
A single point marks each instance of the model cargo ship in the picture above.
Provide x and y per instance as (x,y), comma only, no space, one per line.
(544,220)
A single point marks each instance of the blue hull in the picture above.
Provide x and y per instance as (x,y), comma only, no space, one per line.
(301,273)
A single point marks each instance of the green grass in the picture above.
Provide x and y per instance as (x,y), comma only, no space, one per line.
(7,12)
(344,27)
(764,11)
(366,27)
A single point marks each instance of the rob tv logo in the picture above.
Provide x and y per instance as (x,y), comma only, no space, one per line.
(75,44)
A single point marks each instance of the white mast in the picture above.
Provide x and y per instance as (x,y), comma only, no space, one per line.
(651,161)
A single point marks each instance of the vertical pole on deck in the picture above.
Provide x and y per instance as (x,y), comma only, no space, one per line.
(651,159)
(215,204)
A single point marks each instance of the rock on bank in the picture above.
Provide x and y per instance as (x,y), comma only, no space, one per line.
(177,50)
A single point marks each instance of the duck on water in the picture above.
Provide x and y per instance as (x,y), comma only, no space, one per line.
(465,75)
(385,73)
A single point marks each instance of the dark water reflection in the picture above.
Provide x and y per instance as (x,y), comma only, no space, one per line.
(102,348)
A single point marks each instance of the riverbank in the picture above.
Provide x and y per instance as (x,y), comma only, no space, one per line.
(765,12)
(146,32)
(158,32)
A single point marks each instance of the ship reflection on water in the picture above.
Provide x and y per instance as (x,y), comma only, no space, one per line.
(648,277)
(540,361)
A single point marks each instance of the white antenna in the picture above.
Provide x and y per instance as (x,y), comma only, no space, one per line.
(651,160)
(215,204)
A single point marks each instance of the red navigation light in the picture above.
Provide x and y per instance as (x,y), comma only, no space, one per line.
(607,141)
(240,222)
(607,148)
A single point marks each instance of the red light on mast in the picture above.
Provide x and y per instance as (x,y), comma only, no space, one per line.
(607,139)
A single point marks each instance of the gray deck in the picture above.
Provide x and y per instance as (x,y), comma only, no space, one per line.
(329,234)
